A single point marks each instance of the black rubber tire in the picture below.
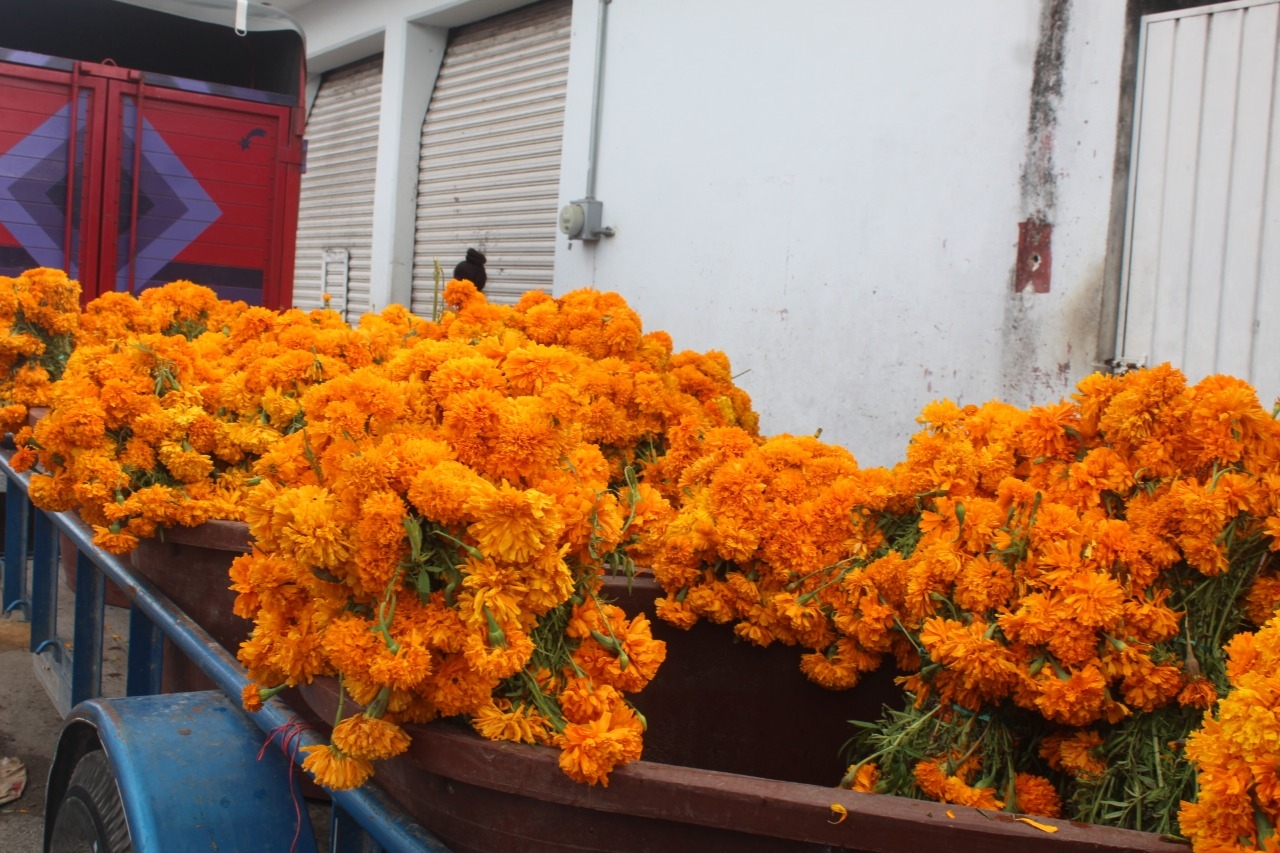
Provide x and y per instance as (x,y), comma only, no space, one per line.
(90,815)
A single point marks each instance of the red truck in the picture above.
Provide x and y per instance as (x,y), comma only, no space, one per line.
(146,141)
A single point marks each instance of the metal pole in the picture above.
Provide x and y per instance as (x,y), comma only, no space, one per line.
(597,92)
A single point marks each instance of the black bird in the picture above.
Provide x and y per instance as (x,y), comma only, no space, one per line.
(472,269)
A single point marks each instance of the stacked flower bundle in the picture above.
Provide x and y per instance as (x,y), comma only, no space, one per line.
(434,505)
(1078,568)
(1058,582)
(1237,805)
(438,532)
(167,401)
(39,316)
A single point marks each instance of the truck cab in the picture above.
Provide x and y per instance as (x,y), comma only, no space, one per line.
(153,141)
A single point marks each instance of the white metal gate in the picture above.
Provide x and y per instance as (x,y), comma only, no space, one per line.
(335,216)
(1202,257)
(490,165)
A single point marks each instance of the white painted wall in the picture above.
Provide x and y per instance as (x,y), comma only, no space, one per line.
(828,191)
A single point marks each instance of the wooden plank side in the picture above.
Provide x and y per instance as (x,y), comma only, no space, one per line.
(1238,328)
(1151,133)
(1212,184)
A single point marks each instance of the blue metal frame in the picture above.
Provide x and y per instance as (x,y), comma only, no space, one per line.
(44,586)
(17,517)
(153,616)
(86,656)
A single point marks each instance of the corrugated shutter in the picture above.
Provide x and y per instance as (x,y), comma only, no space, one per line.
(1203,242)
(490,167)
(335,218)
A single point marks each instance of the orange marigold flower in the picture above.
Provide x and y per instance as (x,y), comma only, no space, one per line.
(1150,618)
(1076,753)
(251,697)
(961,793)
(931,778)
(1074,699)
(865,777)
(583,701)
(1036,795)
(512,524)
(589,752)
(403,669)
(1094,598)
(455,688)
(712,601)
(334,770)
(502,660)
(1199,693)
(117,542)
(23,459)
(311,532)
(801,612)
(442,491)
(831,672)
(370,738)
(382,539)
(500,720)
(1260,603)
(1152,687)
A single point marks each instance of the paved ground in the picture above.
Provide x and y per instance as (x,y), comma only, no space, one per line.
(28,729)
(29,720)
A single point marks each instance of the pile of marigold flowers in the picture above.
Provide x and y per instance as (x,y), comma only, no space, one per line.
(168,399)
(1237,805)
(1055,584)
(438,532)
(434,505)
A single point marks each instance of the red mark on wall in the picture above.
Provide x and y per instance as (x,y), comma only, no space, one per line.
(1034,256)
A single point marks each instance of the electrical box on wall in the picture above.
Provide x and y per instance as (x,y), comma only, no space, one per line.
(580,220)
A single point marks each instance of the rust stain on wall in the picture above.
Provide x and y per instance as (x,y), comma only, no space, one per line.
(1035,256)
(1039,181)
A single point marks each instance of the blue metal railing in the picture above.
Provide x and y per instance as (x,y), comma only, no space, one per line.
(153,617)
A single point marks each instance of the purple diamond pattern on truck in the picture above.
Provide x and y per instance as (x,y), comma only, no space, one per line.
(173,209)
(33,189)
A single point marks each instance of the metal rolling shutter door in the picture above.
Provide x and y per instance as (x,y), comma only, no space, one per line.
(490,165)
(335,218)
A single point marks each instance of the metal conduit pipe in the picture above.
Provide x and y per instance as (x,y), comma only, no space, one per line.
(597,92)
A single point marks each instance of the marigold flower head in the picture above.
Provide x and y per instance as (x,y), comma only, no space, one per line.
(511,524)
(335,770)
(499,719)
(371,738)
(590,751)
(1036,795)
(1076,753)
(1198,693)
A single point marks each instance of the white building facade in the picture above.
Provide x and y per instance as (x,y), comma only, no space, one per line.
(867,206)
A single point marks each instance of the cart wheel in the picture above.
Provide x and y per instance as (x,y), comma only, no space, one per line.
(90,815)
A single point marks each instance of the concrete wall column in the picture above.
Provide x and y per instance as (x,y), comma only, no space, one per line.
(411,61)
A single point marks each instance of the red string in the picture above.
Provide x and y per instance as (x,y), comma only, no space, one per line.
(290,735)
